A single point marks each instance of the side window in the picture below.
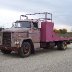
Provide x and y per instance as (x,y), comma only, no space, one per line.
(35,25)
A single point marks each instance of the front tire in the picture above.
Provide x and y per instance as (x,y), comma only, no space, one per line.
(25,49)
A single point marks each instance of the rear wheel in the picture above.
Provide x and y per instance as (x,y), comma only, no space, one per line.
(6,51)
(62,45)
(25,50)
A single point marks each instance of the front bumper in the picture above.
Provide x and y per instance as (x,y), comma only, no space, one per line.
(9,48)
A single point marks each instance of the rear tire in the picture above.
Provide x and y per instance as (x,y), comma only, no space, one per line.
(25,50)
(6,51)
(62,46)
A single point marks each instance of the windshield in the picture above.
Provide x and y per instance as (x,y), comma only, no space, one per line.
(22,24)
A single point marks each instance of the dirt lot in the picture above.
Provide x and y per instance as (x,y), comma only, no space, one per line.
(42,61)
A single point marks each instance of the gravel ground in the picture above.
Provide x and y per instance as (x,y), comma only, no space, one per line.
(42,61)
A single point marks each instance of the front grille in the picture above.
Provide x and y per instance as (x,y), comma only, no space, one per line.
(6,41)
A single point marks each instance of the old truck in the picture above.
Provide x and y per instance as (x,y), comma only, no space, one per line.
(24,33)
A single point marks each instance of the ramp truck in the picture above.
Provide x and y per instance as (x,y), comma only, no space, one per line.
(26,32)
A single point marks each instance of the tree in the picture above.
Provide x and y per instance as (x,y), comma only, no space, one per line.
(56,31)
(63,31)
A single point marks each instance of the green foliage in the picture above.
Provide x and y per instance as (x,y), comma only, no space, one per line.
(63,31)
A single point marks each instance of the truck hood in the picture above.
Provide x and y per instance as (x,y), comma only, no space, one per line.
(16,30)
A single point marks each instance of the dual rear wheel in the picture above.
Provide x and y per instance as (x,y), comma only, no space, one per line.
(62,45)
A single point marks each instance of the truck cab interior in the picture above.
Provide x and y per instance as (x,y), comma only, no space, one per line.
(35,25)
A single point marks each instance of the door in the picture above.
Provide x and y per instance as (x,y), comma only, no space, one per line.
(35,34)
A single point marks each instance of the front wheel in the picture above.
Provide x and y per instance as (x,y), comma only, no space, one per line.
(25,49)
(62,45)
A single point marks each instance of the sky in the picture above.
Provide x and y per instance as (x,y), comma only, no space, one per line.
(10,11)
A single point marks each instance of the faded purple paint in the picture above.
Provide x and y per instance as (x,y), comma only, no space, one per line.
(46,31)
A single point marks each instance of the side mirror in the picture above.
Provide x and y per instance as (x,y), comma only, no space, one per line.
(39,24)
